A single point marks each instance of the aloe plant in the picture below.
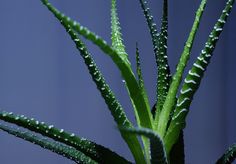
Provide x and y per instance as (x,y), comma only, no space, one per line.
(160,128)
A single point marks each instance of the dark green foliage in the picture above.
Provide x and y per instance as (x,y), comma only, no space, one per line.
(160,128)
(176,80)
(157,149)
(160,49)
(163,78)
(142,110)
(229,156)
(140,101)
(138,68)
(193,79)
(91,149)
(177,152)
(140,74)
(57,147)
(109,97)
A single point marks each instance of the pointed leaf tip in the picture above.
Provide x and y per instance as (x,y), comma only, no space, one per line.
(193,79)
(176,80)
(89,148)
(56,147)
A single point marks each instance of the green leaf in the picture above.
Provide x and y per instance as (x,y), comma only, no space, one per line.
(193,80)
(138,68)
(163,79)
(91,149)
(116,36)
(109,97)
(158,154)
(155,36)
(138,98)
(139,73)
(229,156)
(177,155)
(56,147)
(160,50)
(144,93)
(176,80)
(140,103)
(118,45)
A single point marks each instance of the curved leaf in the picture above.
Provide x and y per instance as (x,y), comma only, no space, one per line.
(160,51)
(109,97)
(158,154)
(56,147)
(140,103)
(91,149)
(193,79)
(142,111)
(176,80)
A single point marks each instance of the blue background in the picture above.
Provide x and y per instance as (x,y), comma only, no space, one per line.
(43,76)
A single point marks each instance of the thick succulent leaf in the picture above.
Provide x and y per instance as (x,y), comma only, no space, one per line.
(176,80)
(109,97)
(229,156)
(138,68)
(158,154)
(177,155)
(139,73)
(56,147)
(117,44)
(160,50)
(163,79)
(142,112)
(140,103)
(193,79)
(116,36)
(144,93)
(91,149)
